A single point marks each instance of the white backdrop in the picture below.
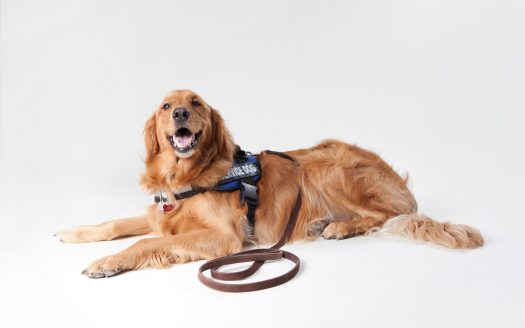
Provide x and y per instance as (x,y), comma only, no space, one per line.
(435,87)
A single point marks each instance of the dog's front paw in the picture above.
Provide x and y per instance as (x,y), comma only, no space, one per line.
(105,267)
(71,235)
(85,234)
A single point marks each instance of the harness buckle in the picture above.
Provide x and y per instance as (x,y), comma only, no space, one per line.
(249,194)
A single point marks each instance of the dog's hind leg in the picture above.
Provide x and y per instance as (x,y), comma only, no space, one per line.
(349,228)
(133,226)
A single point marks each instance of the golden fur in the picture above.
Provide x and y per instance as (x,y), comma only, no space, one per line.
(346,191)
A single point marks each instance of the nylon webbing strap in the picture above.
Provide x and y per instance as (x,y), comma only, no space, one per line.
(258,257)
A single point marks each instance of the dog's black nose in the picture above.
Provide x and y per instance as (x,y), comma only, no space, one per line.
(181,115)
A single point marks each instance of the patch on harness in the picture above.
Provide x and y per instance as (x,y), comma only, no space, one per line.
(241,171)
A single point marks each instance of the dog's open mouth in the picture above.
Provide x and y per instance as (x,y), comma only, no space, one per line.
(184,140)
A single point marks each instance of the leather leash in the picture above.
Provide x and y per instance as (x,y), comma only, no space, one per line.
(257,256)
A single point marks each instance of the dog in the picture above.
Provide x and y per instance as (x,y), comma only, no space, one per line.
(346,191)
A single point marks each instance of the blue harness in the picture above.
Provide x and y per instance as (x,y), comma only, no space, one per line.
(249,170)
(243,175)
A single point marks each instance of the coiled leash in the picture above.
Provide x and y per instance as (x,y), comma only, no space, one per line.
(257,256)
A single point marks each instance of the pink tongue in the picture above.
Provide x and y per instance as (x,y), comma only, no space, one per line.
(183,141)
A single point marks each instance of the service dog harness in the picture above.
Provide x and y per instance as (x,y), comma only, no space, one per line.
(243,175)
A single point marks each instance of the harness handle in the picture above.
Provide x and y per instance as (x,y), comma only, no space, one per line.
(257,256)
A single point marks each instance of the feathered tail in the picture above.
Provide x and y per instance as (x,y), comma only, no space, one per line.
(420,227)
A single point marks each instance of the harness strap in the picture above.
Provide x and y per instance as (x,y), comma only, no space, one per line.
(250,197)
(257,256)
(190,193)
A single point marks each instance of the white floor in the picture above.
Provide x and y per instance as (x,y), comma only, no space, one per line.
(365,282)
(435,87)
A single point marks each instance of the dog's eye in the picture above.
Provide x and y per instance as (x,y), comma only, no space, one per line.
(195,103)
(166,106)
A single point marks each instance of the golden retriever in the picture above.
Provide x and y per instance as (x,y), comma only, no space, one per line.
(346,191)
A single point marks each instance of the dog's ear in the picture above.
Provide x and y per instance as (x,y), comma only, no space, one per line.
(150,138)
(222,136)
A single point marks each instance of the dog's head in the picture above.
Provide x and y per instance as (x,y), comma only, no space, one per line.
(185,128)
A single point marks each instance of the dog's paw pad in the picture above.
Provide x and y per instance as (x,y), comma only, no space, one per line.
(316,228)
(104,273)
